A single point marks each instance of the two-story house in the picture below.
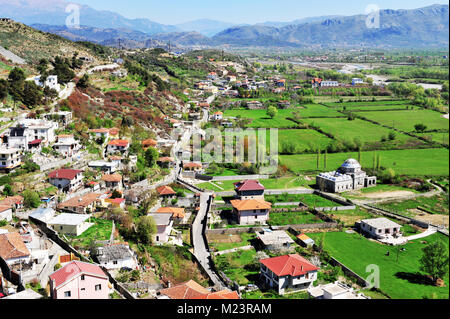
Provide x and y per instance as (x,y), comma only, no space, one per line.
(251,211)
(79,280)
(117,145)
(288,273)
(10,158)
(66,145)
(67,180)
(249,189)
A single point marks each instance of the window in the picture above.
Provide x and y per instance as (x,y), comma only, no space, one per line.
(67,294)
(98,287)
(83,289)
(82,277)
(115,262)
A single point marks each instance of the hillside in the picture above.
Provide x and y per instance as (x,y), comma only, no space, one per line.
(424,27)
(33,45)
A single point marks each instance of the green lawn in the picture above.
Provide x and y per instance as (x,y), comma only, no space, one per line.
(279,183)
(397,279)
(100,231)
(405,120)
(436,137)
(302,139)
(235,266)
(436,204)
(311,200)
(415,162)
(293,218)
(260,119)
(345,130)
(245,241)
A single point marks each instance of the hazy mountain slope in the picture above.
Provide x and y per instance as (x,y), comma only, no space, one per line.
(52,12)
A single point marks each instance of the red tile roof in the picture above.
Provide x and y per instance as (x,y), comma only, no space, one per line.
(112,178)
(250,204)
(74,269)
(12,200)
(223,294)
(187,290)
(149,142)
(12,246)
(122,143)
(165,190)
(292,265)
(249,185)
(64,173)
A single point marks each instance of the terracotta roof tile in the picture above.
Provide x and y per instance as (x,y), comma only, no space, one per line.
(187,290)
(177,212)
(250,204)
(292,265)
(64,173)
(165,190)
(12,246)
(74,269)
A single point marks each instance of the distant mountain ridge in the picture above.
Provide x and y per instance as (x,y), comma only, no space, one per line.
(423,27)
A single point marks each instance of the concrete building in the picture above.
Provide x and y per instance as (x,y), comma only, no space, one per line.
(164,223)
(335,290)
(104,166)
(70,224)
(10,158)
(276,240)
(116,256)
(66,145)
(380,228)
(249,189)
(251,211)
(347,178)
(288,273)
(51,82)
(31,132)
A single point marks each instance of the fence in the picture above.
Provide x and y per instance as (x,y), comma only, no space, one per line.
(400,217)
(239,177)
(240,230)
(347,271)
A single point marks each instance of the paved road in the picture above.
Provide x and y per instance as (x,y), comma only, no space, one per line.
(198,240)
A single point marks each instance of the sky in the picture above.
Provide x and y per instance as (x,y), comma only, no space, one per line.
(244,11)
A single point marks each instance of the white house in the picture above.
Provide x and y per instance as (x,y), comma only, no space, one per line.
(329,83)
(251,211)
(6,213)
(31,132)
(104,166)
(356,81)
(70,224)
(51,82)
(10,158)
(66,145)
(218,116)
(164,223)
(288,273)
(66,180)
(116,256)
(380,228)
(335,290)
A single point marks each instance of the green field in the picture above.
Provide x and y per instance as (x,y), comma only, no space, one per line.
(397,279)
(415,162)
(311,200)
(292,218)
(279,183)
(101,230)
(345,130)
(405,120)
(436,137)
(235,266)
(437,204)
(246,239)
(260,119)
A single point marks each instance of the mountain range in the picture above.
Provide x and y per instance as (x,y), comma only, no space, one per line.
(423,27)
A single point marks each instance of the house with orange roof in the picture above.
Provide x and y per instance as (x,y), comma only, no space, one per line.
(149,143)
(251,211)
(178,213)
(192,290)
(13,249)
(217,116)
(117,145)
(114,132)
(288,273)
(165,191)
(112,181)
(192,167)
(80,204)
(166,162)
(99,133)
(15,202)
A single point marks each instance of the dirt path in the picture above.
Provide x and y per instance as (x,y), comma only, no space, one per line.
(390,194)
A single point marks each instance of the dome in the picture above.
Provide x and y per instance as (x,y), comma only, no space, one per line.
(351,163)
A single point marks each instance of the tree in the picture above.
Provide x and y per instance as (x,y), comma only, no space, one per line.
(3,89)
(434,260)
(16,83)
(7,190)
(420,127)
(32,95)
(272,111)
(145,229)
(31,199)
(151,156)
(83,82)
